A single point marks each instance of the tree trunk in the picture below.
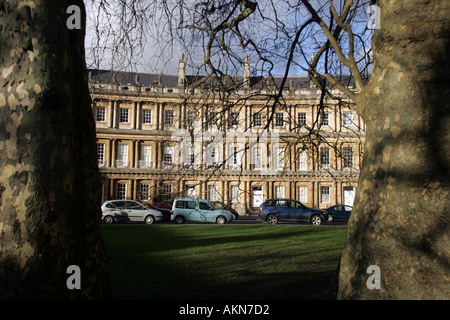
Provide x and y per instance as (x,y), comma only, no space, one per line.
(400,220)
(49,179)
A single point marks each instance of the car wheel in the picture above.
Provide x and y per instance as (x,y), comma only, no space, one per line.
(272,219)
(316,220)
(221,220)
(179,220)
(149,220)
(108,219)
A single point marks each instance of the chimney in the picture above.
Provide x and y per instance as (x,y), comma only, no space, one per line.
(246,74)
(181,73)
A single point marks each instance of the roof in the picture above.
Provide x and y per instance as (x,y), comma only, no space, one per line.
(164,80)
(151,79)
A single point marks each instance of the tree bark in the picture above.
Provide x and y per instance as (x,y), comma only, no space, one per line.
(400,220)
(49,179)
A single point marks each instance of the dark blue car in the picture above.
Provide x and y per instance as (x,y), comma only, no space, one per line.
(339,213)
(274,210)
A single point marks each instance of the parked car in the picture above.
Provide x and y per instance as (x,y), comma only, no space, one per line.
(222,206)
(163,205)
(165,212)
(198,210)
(128,211)
(339,213)
(274,210)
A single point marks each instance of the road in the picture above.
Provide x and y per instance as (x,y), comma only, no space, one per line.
(249,220)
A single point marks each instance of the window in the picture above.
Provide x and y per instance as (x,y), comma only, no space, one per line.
(301,119)
(168,117)
(234,119)
(325,194)
(257,119)
(190,192)
(212,156)
(234,193)
(214,118)
(146,156)
(183,204)
(302,159)
(146,116)
(325,119)
(348,157)
(279,119)
(325,158)
(279,158)
(166,191)
(257,158)
(144,191)
(189,158)
(122,155)
(101,114)
(121,191)
(234,160)
(279,192)
(168,156)
(192,115)
(348,118)
(205,206)
(123,115)
(212,193)
(303,194)
(101,154)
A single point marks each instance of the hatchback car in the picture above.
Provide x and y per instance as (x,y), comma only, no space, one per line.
(339,213)
(165,212)
(223,206)
(128,211)
(274,210)
(198,210)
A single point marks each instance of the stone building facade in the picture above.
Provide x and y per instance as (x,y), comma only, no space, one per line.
(163,136)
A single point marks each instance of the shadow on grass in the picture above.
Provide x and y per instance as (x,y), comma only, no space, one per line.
(222,262)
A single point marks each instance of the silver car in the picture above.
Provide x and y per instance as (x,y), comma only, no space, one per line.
(128,211)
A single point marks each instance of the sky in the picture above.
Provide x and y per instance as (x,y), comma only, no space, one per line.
(271,32)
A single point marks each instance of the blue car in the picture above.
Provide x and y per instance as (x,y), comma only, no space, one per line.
(274,210)
(198,210)
(339,213)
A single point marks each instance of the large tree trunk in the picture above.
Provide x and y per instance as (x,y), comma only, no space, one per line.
(400,221)
(49,180)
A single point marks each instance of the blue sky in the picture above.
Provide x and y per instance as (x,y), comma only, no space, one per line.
(272,28)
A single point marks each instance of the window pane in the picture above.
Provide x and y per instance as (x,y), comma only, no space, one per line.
(257,119)
(121,190)
(325,194)
(234,193)
(303,194)
(147,116)
(279,119)
(348,157)
(348,118)
(100,154)
(212,193)
(302,159)
(101,114)
(168,119)
(325,158)
(302,118)
(123,115)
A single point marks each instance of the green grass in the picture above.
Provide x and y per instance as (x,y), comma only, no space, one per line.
(217,262)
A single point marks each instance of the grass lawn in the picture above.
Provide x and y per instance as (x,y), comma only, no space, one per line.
(218,262)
